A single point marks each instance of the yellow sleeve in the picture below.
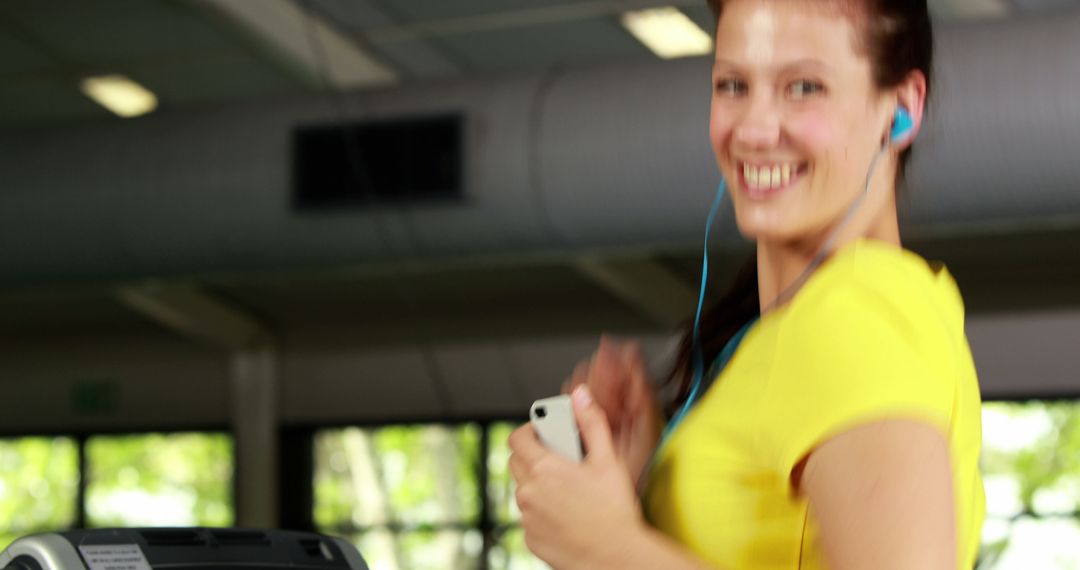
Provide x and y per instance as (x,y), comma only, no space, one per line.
(853,353)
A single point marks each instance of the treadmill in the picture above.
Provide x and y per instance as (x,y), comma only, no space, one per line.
(180,549)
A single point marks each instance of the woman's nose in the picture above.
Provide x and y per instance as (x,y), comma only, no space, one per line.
(758,127)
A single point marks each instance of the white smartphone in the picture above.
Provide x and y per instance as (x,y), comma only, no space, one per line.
(553,419)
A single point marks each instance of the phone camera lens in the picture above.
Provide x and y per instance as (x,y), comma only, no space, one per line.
(541,412)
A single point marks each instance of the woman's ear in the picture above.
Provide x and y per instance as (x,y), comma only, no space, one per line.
(911,95)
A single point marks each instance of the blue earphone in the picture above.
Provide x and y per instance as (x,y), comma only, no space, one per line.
(902,125)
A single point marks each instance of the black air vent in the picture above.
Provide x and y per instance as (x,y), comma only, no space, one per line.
(240,538)
(375,163)
(172,538)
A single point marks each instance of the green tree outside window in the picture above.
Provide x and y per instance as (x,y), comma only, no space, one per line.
(39,483)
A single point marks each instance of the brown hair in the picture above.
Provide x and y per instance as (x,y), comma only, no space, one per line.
(898,38)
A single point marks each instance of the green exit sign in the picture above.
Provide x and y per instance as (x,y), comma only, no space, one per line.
(94,397)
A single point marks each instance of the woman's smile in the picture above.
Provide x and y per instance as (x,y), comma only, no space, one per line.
(762,180)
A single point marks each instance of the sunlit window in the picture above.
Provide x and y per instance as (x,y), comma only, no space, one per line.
(39,483)
(408,496)
(1031,470)
(176,479)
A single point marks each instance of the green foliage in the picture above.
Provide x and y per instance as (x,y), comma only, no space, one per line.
(1034,448)
(418,476)
(39,481)
(500,483)
(1048,460)
(131,477)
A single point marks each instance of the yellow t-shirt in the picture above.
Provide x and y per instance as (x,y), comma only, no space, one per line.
(876,333)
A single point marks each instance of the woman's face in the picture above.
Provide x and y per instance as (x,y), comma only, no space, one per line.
(796,119)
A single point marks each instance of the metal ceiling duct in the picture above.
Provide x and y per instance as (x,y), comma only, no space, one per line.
(573,159)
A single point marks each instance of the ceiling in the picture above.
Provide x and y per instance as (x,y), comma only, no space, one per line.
(202,52)
(196,52)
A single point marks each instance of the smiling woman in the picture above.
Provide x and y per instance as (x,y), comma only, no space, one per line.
(839,424)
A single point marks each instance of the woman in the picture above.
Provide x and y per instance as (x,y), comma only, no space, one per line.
(843,427)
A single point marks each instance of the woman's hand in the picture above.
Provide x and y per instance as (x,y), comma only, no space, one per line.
(617,378)
(575,514)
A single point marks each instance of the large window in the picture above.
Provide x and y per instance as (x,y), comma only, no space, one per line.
(1031,469)
(39,483)
(179,479)
(175,479)
(408,496)
(424,496)
(380,487)
(437,496)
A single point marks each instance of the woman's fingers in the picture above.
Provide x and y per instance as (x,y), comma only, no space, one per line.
(526,446)
(608,380)
(517,470)
(595,430)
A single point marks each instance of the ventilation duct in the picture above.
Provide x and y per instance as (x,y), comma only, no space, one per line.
(575,159)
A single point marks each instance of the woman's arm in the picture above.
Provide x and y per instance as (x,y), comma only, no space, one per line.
(883,497)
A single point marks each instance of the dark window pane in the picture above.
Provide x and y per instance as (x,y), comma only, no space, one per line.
(179,479)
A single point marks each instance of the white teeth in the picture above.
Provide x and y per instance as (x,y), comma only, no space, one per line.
(765,177)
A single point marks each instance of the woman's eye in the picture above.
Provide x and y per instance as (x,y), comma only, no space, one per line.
(804,88)
(730,87)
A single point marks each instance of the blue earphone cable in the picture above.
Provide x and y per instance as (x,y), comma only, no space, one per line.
(698,358)
(698,361)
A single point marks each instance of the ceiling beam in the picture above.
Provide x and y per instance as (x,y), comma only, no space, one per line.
(192,312)
(512,19)
(644,284)
(304,40)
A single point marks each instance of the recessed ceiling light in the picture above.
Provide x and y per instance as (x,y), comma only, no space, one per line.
(119,95)
(668,32)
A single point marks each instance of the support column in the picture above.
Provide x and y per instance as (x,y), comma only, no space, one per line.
(254,379)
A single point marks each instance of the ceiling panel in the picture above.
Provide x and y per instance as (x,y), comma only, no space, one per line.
(354,14)
(104,32)
(426,10)
(228,74)
(584,41)
(418,59)
(45,100)
(701,15)
(17,57)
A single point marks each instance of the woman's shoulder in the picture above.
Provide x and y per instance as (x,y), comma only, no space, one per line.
(868,276)
(871,289)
